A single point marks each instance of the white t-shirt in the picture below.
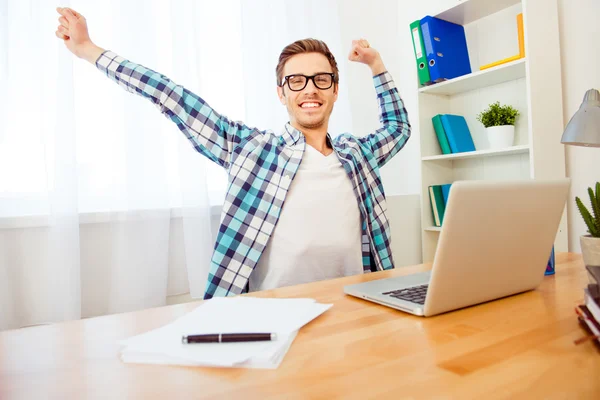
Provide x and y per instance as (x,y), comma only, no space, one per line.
(318,235)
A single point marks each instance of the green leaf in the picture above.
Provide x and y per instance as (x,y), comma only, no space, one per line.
(587,218)
(596,204)
(497,115)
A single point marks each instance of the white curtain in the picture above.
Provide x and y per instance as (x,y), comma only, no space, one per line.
(104,205)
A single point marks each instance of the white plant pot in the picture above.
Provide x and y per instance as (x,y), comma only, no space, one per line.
(590,247)
(500,137)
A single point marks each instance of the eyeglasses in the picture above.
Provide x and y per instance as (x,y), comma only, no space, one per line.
(321,81)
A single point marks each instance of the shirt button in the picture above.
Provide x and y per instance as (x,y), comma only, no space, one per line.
(286,178)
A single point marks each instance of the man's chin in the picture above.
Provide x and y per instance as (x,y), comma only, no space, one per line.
(311,124)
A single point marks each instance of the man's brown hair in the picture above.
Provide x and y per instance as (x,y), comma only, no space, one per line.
(305,46)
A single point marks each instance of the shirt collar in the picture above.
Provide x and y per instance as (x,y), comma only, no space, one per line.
(292,136)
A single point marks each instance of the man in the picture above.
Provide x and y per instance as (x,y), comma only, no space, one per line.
(301,206)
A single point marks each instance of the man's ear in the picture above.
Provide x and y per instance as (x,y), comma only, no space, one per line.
(336,89)
(281,94)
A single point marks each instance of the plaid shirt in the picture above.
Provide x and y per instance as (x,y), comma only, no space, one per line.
(262,164)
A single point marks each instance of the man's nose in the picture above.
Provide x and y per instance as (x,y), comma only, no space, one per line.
(310,87)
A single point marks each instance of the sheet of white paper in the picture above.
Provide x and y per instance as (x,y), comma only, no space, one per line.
(269,360)
(226,315)
(251,314)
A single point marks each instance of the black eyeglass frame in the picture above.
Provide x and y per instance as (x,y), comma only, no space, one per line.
(311,78)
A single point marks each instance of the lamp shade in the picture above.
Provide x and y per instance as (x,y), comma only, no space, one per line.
(584,127)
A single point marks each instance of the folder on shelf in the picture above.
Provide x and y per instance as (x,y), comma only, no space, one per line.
(500,62)
(457,132)
(521,54)
(438,127)
(521,34)
(421,59)
(445,48)
(436,199)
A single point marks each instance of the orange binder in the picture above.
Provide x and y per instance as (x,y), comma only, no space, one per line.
(521,35)
(521,46)
(503,61)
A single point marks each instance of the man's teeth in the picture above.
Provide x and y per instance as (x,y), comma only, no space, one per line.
(308,105)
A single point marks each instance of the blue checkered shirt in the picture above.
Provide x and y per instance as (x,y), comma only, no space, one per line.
(262,164)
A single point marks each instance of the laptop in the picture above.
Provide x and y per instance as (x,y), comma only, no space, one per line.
(496,241)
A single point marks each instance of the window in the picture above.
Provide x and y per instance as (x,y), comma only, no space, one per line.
(68,131)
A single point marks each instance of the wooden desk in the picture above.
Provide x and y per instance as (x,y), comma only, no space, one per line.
(517,347)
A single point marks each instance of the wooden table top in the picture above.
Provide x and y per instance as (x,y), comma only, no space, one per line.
(517,347)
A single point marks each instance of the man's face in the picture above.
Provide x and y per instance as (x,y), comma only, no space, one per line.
(311,107)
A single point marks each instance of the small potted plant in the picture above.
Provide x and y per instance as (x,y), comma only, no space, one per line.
(590,244)
(499,123)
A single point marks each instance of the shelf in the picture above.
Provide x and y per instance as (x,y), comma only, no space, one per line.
(532,87)
(480,153)
(480,79)
(473,10)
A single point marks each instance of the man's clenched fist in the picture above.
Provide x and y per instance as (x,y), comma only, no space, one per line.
(362,52)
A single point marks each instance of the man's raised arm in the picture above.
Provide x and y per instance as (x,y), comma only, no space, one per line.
(386,141)
(212,135)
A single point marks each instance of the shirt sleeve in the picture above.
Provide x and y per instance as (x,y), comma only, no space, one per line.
(211,134)
(388,140)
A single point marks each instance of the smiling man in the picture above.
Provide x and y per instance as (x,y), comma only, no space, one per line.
(301,206)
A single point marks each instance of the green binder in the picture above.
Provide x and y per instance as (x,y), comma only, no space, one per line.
(419,49)
(441,134)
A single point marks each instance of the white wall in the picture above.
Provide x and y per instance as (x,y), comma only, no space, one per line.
(378,22)
(580,58)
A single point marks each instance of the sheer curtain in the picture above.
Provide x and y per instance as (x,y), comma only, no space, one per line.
(104,205)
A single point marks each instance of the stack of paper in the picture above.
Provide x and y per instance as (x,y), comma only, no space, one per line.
(283,317)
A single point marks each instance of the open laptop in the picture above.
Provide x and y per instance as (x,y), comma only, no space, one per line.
(496,241)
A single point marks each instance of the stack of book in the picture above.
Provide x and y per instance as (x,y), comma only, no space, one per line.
(589,311)
(453,133)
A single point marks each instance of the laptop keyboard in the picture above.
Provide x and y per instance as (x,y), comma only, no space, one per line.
(414,294)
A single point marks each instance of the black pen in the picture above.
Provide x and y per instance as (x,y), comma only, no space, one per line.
(228,337)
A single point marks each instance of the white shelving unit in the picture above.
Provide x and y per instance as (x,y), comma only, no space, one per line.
(531,84)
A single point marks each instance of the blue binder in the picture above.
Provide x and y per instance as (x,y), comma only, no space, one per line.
(445,48)
(458,134)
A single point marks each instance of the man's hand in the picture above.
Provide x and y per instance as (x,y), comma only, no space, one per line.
(362,52)
(73,31)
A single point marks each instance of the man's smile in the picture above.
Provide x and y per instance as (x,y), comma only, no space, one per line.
(311,105)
